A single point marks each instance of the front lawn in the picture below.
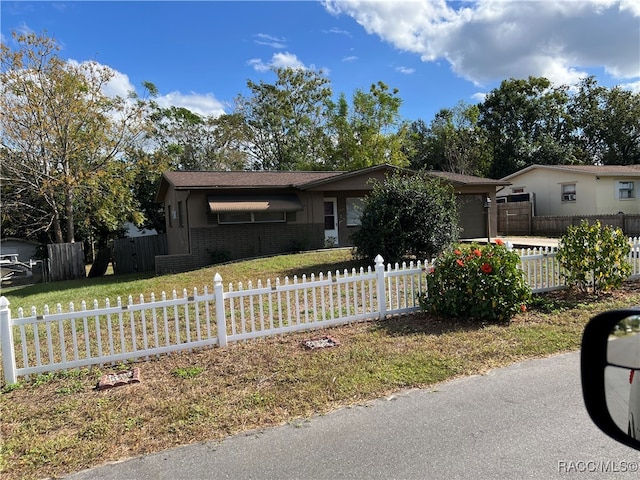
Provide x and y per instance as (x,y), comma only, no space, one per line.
(60,423)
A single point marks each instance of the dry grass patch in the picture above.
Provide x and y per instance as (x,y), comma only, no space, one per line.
(60,423)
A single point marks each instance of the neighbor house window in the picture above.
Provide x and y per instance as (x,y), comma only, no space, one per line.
(517,190)
(169,216)
(354,210)
(180,215)
(569,192)
(252,217)
(625,190)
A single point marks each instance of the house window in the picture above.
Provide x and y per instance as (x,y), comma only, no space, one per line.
(517,190)
(251,217)
(354,210)
(180,215)
(169,217)
(569,192)
(625,190)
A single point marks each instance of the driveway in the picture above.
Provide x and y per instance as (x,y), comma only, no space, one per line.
(524,421)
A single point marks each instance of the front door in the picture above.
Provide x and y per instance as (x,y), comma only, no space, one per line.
(331,221)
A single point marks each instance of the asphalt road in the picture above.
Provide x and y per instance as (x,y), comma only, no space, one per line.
(523,421)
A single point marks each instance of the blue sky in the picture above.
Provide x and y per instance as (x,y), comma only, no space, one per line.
(436,52)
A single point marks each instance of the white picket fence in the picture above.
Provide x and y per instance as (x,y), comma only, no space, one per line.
(126,331)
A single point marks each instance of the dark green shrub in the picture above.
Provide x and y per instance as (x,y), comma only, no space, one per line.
(405,216)
(476,282)
(594,258)
(219,256)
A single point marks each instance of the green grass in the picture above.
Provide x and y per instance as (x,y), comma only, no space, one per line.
(58,423)
(114,286)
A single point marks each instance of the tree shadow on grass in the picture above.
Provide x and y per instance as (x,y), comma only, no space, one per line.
(332,267)
(43,288)
(422,323)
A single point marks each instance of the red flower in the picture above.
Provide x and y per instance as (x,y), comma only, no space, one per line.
(460,262)
(477,253)
(523,308)
(457,252)
(486,268)
(499,242)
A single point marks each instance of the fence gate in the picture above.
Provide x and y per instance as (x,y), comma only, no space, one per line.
(66,261)
(138,254)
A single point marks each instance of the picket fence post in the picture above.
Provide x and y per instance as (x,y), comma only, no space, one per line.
(218,292)
(6,345)
(382,291)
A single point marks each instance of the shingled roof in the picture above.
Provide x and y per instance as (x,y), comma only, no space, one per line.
(279,180)
(244,179)
(601,170)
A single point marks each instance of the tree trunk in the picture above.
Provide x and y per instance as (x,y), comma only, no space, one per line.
(68,210)
(57,228)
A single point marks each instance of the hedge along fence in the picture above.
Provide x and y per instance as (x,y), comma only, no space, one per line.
(127,331)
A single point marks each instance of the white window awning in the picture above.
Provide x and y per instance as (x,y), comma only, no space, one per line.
(254,203)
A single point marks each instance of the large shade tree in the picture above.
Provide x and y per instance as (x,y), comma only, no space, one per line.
(453,142)
(283,122)
(63,140)
(368,132)
(607,122)
(526,122)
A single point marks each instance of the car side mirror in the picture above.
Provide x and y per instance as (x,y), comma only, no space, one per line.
(610,371)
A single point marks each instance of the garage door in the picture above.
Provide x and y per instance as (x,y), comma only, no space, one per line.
(473,216)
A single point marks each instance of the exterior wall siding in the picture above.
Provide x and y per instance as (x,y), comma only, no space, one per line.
(233,242)
(595,195)
(254,240)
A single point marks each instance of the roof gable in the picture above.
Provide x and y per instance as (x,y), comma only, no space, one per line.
(600,170)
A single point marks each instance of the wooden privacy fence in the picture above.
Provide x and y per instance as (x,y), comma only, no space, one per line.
(65,262)
(58,340)
(138,254)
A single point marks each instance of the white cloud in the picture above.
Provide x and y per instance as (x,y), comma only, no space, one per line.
(633,86)
(120,85)
(202,104)
(479,97)
(278,60)
(405,70)
(271,41)
(489,40)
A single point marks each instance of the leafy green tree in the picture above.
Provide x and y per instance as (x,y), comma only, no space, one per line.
(453,142)
(283,122)
(63,140)
(526,122)
(190,141)
(607,124)
(594,257)
(369,133)
(407,215)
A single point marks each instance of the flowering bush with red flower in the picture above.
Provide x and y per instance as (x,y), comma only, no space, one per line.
(479,282)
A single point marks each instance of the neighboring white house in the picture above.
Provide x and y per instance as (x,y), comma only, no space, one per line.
(578,189)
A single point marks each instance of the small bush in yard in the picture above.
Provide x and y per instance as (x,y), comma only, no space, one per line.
(476,282)
(594,258)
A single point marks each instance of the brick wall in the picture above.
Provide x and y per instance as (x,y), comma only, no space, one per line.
(233,242)
(175,263)
(254,240)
